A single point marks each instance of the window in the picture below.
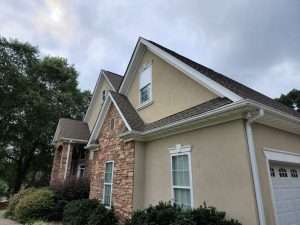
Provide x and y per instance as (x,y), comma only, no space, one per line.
(294,173)
(145,85)
(103,96)
(283,172)
(108,179)
(181,179)
(80,170)
(272,172)
(112,124)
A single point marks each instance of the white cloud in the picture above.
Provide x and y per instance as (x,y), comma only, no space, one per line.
(255,42)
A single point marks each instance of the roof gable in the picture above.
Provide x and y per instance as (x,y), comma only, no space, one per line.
(218,83)
(232,85)
(189,71)
(72,130)
(125,109)
(114,81)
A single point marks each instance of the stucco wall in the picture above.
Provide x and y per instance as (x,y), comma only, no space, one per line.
(220,169)
(267,137)
(139,175)
(96,107)
(172,91)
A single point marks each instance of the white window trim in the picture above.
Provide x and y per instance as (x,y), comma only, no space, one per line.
(150,101)
(176,151)
(111,184)
(78,170)
(277,155)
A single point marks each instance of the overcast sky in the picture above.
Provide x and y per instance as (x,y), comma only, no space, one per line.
(256,42)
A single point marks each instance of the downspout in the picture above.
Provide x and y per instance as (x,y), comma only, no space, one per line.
(252,151)
(67,161)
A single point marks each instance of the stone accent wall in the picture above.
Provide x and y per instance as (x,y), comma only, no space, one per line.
(59,164)
(114,148)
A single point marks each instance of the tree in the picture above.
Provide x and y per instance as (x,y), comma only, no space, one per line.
(35,92)
(291,99)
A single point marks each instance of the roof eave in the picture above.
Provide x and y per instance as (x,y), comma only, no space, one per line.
(240,108)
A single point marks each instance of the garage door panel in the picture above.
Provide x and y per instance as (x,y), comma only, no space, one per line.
(286,190)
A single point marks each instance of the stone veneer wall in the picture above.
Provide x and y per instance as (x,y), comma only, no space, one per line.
(59,164)
(114,148)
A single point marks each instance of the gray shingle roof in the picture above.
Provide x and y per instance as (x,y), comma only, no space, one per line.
(234,86)
(137,124)
(128,111)
(115,79)
(73,129)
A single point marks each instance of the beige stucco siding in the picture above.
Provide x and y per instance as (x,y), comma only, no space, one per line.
(97,103)
(139,175)
(267,137)
(172,91)
(220,170)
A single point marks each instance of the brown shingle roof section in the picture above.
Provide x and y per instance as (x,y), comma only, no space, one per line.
(115,79)
(234,86)
(137,124)
(131,116)
(73,129)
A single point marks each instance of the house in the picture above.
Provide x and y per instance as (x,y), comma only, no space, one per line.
(171,129)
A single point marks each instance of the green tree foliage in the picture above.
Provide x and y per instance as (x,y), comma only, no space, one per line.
(291,99)
(35,92)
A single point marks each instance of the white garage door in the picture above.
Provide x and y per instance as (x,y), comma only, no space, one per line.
(286,190)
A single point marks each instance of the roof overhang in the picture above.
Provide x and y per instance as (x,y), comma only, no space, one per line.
(70,140)
(230,112)
(140,49)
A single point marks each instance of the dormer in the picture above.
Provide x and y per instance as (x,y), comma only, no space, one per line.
(106,81)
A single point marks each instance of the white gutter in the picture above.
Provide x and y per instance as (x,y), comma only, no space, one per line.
(67,161)
(252,152)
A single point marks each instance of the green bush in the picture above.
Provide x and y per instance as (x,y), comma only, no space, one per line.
(73,189)
(168,214)
(161,214)
(13,201)
(35,205)
(77,212)
(102,216)
(3,188)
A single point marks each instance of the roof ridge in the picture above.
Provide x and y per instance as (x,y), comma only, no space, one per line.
(233,85)
(112,73)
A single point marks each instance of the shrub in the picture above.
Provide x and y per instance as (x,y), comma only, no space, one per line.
(77,212)
(35,205)
(168,214)
(102,216)
(161,214)
(3,188)
(73,189)
(13,201)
